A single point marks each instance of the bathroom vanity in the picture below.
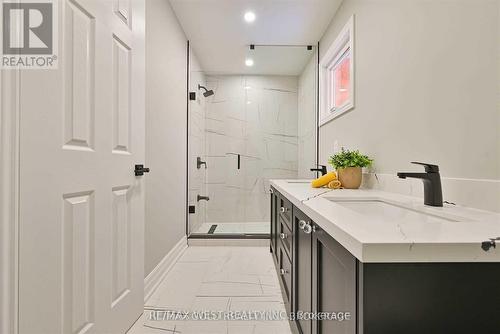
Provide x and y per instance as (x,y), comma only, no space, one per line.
(383,263)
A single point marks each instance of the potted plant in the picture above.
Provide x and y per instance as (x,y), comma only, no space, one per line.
(348,165)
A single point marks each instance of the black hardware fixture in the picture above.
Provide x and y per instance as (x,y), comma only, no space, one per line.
(192,96)
(199,163)
(433,194)
(212,229)
(308,47)
(207,92)
(139,170)
(238,157)
(192,209)
(202,198)
(321,168)
(486,245)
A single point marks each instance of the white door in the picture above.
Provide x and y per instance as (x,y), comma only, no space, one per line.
(81,206)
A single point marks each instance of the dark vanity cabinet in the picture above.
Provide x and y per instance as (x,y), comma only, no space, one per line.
(282,243)
(325,280)
(334,285)
(318,276)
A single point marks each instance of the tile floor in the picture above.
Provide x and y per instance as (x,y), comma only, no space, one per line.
(236,228)
(217,279)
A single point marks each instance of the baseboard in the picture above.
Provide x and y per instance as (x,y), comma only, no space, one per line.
(153,280)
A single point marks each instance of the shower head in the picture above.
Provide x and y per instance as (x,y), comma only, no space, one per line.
(207,92)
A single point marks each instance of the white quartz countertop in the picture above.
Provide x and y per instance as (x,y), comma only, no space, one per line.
(448,234)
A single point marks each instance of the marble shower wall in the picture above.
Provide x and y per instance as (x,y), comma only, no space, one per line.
(256,117)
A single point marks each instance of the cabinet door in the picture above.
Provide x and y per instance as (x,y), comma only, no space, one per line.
(302,264)
(334,284)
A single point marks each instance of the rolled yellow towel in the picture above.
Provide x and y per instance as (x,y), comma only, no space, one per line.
(335,184)
(324,180)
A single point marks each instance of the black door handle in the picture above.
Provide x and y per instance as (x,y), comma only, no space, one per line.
(140,170)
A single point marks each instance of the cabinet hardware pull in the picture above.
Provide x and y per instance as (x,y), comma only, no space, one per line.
(271,191)
(308,228)
(283,271)
(302,223)
(283,236)
(283,209)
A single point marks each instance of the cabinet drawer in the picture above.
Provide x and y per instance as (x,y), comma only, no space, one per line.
(285,236)
(285,273)
(285,211)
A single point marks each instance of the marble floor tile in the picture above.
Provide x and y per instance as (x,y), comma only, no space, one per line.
(229,289)
(217,279)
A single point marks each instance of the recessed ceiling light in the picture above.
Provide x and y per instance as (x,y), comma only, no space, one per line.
(249,62)
(248,87)
(249,17)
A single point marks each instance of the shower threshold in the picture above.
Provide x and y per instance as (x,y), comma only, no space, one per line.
(247,230)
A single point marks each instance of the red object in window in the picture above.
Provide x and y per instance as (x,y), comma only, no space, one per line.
(342,83)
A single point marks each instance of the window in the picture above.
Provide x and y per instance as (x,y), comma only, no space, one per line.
(336,76)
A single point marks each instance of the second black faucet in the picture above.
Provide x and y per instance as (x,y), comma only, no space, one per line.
(433,194)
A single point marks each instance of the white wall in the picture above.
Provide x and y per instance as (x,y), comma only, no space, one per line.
(307,120)
(427,89)
(166,131)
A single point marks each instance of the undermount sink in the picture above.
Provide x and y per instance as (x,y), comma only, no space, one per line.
(381,209)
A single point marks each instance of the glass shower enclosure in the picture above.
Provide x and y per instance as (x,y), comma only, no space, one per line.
(245,129)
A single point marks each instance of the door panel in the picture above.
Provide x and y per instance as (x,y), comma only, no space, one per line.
(79,98)
(121,96)
(120,239)
(78,262)
(81,207)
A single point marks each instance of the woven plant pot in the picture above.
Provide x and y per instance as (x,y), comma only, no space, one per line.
(350,177)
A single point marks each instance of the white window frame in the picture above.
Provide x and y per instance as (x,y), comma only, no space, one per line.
(336,52)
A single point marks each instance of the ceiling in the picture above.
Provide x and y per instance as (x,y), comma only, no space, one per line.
(220,37)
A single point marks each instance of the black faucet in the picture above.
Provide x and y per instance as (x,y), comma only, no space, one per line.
(322,169)
(433,194)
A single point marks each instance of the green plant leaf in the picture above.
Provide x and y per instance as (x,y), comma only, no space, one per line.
(346,158)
